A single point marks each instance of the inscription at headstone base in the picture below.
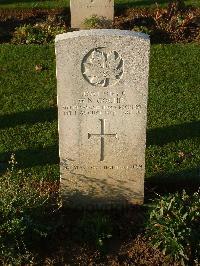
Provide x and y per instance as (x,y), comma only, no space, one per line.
(102,79)
(83,9)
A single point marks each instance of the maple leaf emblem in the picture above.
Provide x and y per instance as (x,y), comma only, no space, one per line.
(102,68)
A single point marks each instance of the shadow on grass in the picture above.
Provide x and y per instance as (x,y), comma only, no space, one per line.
(156,136)
(164,183)
(31,157)
(161,183)
(162,136)
(29,117)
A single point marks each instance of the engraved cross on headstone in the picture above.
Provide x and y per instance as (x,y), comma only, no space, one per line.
(102,135)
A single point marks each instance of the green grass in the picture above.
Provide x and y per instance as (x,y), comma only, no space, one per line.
(28,114)
(65,3)
(28,125)
(174,115)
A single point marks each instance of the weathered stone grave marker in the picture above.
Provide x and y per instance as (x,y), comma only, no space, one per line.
(102,103)
(82,9)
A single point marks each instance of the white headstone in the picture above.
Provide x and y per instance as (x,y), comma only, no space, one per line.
(102,80)
(83,9)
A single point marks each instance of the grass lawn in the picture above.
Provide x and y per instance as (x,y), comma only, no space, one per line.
(28,115)
(65,3)
(28,125)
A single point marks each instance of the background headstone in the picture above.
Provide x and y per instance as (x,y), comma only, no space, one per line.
(82,9)
(102,103)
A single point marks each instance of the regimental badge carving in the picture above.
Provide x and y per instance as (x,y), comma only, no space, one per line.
(102,68)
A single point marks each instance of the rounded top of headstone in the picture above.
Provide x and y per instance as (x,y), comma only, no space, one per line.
(102,32)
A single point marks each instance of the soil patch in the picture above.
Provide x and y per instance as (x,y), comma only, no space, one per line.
(10,19)
(127,246)
(164,25)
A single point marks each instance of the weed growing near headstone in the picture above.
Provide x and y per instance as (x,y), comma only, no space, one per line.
(24,206)
(95,228)
(95,22)
(174,226)
(173,24)
(40,33)
(176,22)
